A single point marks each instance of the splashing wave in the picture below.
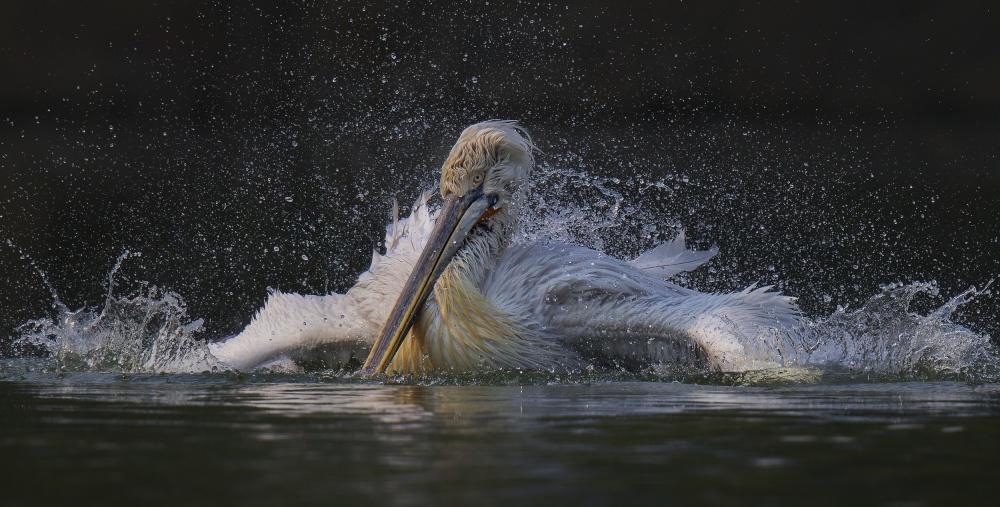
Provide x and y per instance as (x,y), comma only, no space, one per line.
(885,338)
(141,334)
(148,333)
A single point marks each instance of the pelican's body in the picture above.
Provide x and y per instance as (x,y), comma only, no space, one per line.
(452,293)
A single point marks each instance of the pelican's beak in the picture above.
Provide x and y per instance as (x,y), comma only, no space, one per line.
(457,217)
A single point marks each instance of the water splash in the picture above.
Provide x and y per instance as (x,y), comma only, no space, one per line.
(572,206)
(885,339)
(149,333)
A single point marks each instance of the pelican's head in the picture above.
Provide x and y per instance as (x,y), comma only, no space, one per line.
(482,181)
(492,158)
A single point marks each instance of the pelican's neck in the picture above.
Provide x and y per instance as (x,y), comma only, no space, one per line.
(461,329)
(481,252)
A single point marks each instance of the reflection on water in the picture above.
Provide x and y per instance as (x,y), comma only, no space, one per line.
(304,395)
(301,440)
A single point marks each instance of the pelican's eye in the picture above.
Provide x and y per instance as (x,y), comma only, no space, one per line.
(477,178)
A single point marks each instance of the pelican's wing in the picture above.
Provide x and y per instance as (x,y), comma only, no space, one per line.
(611,311)
(290,324)
(668,259)
(303,326)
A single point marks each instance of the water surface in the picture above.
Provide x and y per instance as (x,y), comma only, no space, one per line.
(309,439)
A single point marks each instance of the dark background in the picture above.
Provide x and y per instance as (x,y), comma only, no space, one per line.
(828,147)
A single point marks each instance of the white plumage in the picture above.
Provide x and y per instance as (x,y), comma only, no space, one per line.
(540,305)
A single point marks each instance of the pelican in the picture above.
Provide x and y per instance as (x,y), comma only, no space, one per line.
(454,292)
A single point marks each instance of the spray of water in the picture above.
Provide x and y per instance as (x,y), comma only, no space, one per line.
(886,339)
(147,333)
